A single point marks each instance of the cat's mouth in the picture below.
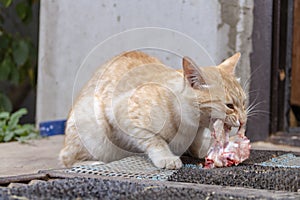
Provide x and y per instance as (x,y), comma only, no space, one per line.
(227,127)
(232,130)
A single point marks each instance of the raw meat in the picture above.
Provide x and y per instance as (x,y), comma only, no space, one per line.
(227,151)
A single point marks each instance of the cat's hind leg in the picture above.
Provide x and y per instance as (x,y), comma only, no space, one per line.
(73,152)
(86,142)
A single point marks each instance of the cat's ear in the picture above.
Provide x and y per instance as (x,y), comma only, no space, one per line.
(193,74)
(229,64)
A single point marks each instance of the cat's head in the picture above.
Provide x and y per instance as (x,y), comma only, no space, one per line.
(219,93)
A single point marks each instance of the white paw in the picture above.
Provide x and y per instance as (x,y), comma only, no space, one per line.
(170,162)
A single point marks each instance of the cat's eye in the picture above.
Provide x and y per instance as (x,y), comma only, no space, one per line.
(230,106)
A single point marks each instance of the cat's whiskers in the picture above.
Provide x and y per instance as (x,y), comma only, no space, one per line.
(252,106)
(250,92)
(252,111)
(256,113)
(247,82)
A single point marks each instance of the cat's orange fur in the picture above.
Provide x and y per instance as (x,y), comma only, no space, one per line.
(135,104)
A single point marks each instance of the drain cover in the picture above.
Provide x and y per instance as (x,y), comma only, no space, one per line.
(130,167)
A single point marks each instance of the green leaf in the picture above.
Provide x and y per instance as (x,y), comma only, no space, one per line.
(21,131)
(4,41)
(4,127)
(5,68)
(28,17)
(12,130)
(24,130)
(8,137)
(6,3)
(21,139)
(20,50)
(22,9)
(4,115)
(5,104)
(29,127)
(14,76)
(30,136)
(2,124)
(15,117)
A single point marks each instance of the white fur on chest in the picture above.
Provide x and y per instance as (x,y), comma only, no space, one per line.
(188,128)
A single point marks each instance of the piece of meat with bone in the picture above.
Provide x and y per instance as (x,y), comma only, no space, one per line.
(226,151)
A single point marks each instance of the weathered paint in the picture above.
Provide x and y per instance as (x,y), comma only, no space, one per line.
(237,18)
(69,29)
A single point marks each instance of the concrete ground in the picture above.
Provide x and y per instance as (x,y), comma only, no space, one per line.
(42,154)
(17,158)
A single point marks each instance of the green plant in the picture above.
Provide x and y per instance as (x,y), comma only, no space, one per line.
(17,52)
(11,130)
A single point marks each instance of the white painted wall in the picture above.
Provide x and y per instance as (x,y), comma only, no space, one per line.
(70,29)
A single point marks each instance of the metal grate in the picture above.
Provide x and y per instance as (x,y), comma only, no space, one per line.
(130,167)
(142,168)
(287,160)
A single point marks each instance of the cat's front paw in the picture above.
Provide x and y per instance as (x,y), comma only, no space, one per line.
(170,162)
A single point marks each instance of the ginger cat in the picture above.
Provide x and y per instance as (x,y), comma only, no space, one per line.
(135,104)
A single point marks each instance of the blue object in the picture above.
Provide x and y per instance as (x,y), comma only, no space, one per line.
(50,128)
(285,160)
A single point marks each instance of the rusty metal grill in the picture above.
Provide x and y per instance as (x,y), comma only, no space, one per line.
(130,167)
